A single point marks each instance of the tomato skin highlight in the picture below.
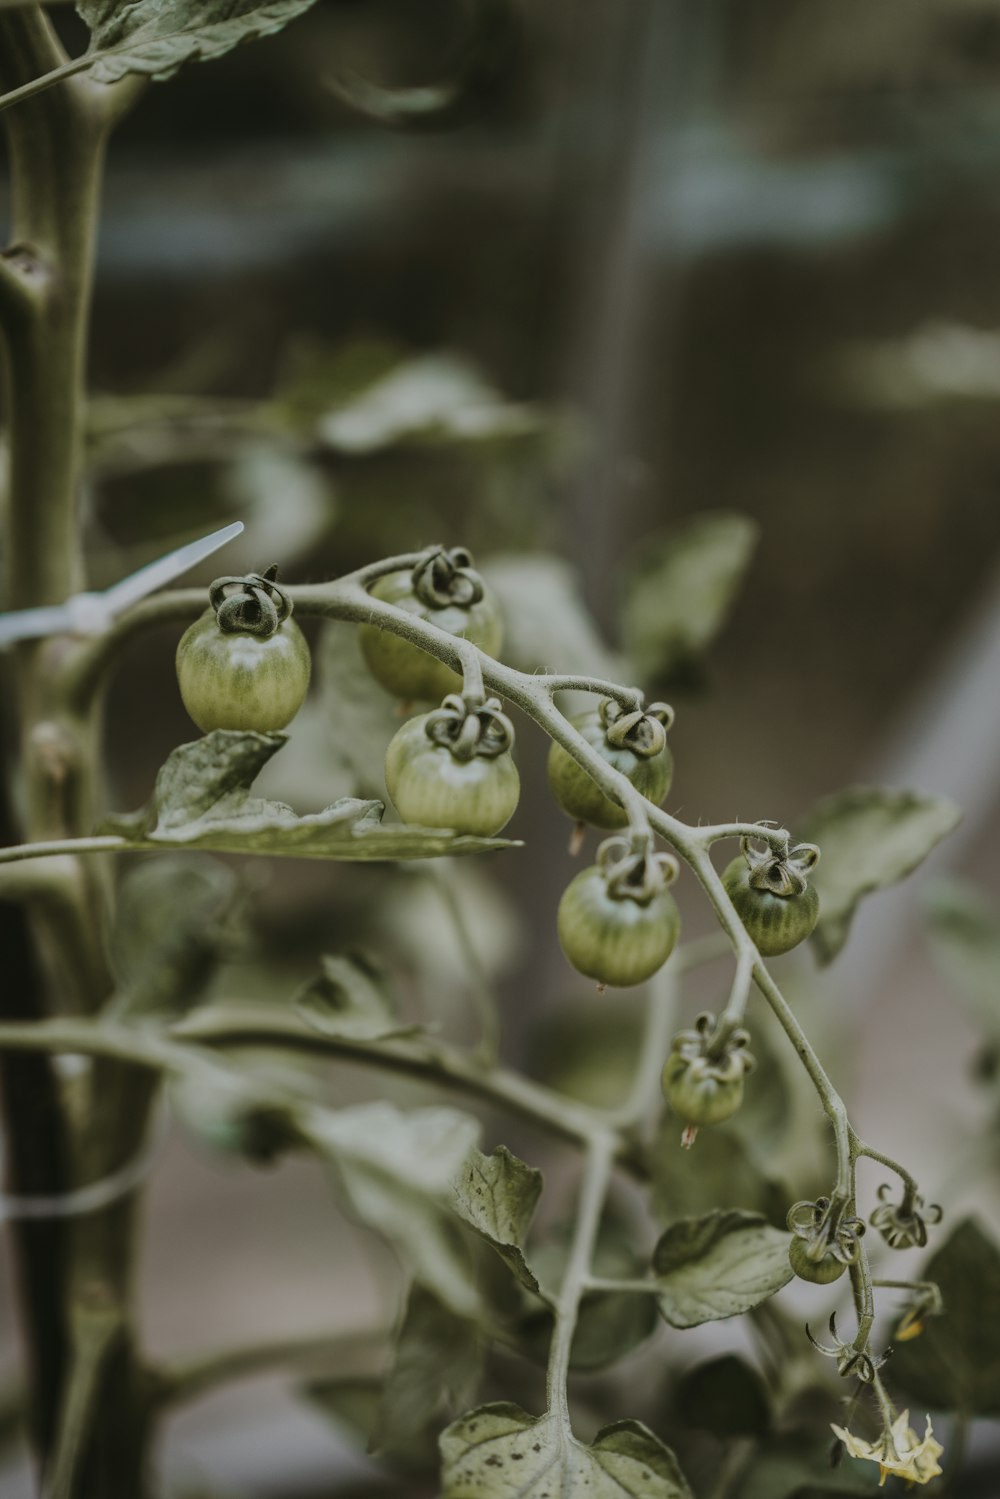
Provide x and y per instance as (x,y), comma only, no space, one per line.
(776,923)
(405,670)
(820,1272)
(579,794)
(431,788)
(615,940)
(238,680)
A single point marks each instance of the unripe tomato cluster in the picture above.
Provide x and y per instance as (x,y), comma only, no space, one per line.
(245,665)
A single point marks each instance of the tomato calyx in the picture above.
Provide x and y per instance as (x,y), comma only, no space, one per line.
(783,872)
(641,730)
(446,577)
(251,605)
(468,729)
(852,1362)
(632,873)
(828,1238)
(903,1225)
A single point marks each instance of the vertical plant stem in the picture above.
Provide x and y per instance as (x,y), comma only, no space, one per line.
(55,146)
(597,1168)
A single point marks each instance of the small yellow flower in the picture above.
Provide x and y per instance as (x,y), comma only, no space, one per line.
(898,1451)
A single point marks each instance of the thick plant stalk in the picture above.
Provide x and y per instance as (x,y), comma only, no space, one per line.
(55,149)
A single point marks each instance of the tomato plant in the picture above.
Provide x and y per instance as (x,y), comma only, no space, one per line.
(165,951)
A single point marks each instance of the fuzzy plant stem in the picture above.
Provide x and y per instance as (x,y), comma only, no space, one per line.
(85,1418)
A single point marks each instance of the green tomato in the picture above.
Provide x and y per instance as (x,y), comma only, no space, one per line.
(615,939)
(579,794)
(820,1272)
(432,788)
(776,923)
(703,1092)
(237,680)
(402,667)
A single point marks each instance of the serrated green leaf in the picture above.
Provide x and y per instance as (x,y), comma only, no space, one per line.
(170,923)
(546,624)
(963,927)
(678,592)
(435,1371)
(351,999)
(869,837)
(156,37)
(497,1195)
(500,1452)
(954,1364)
(725,1396)
(396,1171)
(202,800)
(718,1266)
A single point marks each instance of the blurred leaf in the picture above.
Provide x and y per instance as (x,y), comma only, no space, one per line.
(435,1372)
(797,1465)
(954,1364)
(13,1413)
(416,923)
(128,434)
(252,1111)
(170,923)
(358,716)
(431,398)
(678,592)
(156,37)
(725,1396)
(500,1452)
(497,1195)
(317,377)
(285,498)
(351,999)
(202,800)
(611,1324)
(869,837)
(766,1118)
(396,1170)
(964,931)
(588,1050)
(719,1167)
(350,1401)
(546,624)
(718,1266)
(481,54)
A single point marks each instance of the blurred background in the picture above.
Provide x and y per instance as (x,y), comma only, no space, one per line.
(629,269)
